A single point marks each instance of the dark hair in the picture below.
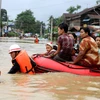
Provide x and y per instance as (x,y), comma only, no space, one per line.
(86,29)
(55,47)
(75,36)
(63,26)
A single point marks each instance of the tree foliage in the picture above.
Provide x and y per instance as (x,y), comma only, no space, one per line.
(56,22)
(98,2)
(26,21)
(78,7)
(4,15)
(72,9)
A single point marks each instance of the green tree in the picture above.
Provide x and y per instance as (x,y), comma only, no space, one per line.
(58,20)
(72,9)
(49,24)
(37,27)
(4,15)
(25,21)
(78,7)
(43,28)
(98,2)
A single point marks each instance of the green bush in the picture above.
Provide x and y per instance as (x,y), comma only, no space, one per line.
(12,34)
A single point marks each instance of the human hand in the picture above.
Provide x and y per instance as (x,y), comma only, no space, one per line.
(71,62)
(34,56)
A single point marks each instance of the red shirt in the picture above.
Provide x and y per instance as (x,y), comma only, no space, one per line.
(66,43)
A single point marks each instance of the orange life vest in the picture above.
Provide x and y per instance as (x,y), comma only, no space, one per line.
(24,62)
(36,40)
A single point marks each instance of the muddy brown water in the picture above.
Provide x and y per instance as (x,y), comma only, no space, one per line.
(47,86)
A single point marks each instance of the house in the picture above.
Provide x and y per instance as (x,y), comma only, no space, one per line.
(89,16)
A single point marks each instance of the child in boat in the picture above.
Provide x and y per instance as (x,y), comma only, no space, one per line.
(20,60)
(49,50)
(97,39)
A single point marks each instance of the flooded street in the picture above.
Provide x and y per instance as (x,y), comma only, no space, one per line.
(47,86)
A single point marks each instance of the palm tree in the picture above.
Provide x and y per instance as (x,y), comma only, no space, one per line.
(71,9)
(78,7)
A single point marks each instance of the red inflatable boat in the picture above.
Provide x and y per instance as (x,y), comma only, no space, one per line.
(49,65)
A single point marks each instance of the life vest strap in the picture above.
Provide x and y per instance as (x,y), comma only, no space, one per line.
(27,71)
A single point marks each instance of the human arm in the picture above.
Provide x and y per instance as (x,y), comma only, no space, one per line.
(50,54)
(79,57)
(83,51)
(32,62)
(15,68)
(58,50)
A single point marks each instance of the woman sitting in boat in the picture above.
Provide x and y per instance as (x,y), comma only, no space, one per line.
(49,50)
(20,60)
(88,50)
(65,44)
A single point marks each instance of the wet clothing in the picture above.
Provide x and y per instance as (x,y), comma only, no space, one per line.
(36,40)
(16,68)
(22,63)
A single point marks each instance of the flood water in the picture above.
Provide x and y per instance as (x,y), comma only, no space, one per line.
(47,86)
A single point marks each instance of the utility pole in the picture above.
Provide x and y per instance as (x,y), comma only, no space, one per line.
(0,20)
(41,30)
(51,27)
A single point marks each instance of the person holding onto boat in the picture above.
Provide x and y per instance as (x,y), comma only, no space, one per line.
(88,50)
(49,50)
(65,44)
(21,61)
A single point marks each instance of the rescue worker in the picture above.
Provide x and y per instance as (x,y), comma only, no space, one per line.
(36,40)
(21,61)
